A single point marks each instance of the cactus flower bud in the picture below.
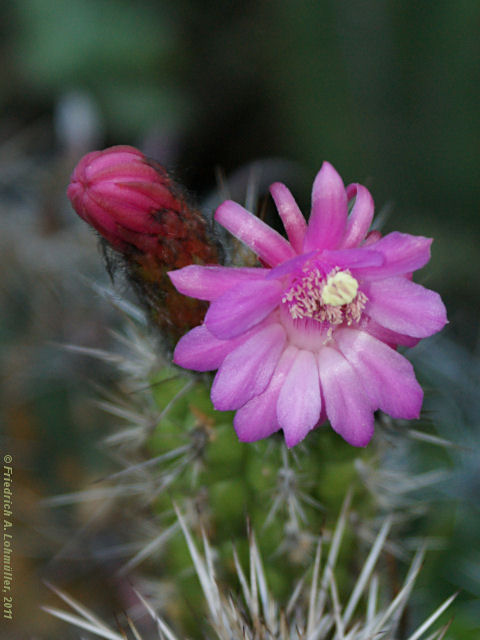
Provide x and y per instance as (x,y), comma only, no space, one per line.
(141,213)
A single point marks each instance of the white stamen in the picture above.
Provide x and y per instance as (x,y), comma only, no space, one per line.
(335,299)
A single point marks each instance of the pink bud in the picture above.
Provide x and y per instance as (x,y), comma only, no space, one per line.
(129,200)
(136,207)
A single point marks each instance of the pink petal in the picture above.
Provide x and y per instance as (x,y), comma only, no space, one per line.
(299,401)
(258,418)
(200,351)
(371,238)
(387,376)
(294,264)
(129,212)
(405,307)
(292,218)
(247,370)
(403,254)
(391,338)
(360,217)
(101,161)
(242,307)
(347,404)
(209,283)
(268,244)
(326,226)
(93,212)
(354,258)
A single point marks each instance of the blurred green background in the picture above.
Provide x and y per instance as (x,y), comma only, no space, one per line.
(387,91)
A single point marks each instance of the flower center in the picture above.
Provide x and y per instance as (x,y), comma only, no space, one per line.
(341,288)
(332,298)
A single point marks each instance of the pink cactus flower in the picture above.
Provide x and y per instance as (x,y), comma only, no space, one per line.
(313,334)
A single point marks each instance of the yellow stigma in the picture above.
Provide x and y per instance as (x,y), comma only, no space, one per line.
(341,288)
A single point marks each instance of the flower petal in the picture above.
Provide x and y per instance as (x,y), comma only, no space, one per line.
(405,307)
(242,307)
(347,404)
(299,401)
(403,254)
(200,351)
(210,282)
(372,236)
(268,244)
(354,258)
(257,418)
(392,338)
(290,266)
(247,370)
(387,376)
(326,226)
(360,217)
(292,218)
